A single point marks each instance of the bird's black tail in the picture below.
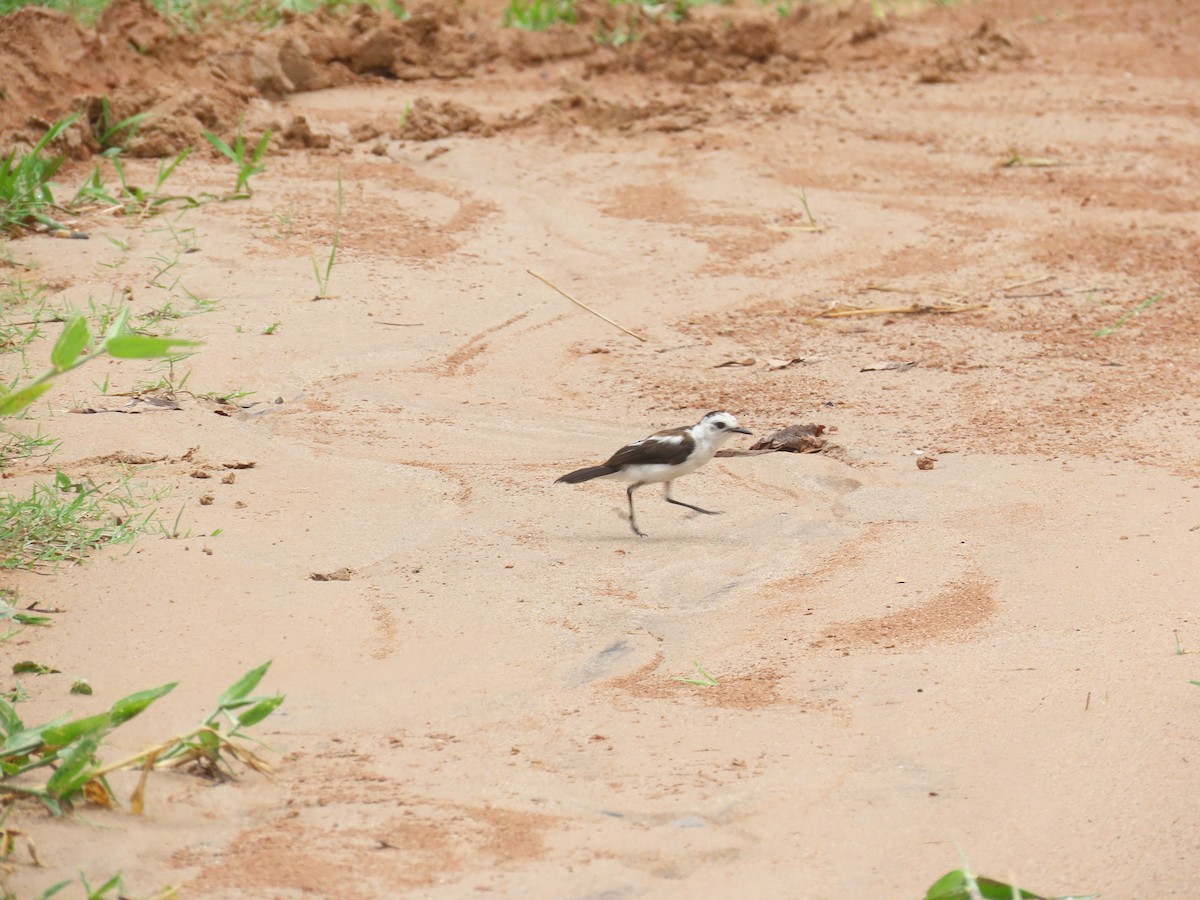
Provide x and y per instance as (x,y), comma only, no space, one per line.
(585,474)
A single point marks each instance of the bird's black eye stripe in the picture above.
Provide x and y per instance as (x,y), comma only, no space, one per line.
(720,424)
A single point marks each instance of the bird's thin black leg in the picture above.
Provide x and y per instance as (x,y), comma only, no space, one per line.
(632,516)
(670,499)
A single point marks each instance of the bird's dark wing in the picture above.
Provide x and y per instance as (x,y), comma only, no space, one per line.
(668,448)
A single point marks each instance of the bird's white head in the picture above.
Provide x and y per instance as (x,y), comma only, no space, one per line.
(717,426)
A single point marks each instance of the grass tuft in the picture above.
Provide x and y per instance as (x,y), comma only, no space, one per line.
(248,161)
(63,522)
(25,193)
(322,275)
(538,15)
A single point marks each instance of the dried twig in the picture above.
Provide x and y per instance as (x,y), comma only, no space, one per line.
(583,305)
(1027,283)
(839,312)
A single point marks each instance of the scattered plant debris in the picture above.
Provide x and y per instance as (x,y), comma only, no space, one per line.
(1014,160)
(773,363)
(792,439)
(839,310)
(342,574)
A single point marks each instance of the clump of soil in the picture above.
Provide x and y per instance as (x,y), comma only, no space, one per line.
(190,81)
(985,47)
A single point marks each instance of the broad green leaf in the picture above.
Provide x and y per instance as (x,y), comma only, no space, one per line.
(947,886)
(21,743)
(75,770)
(259,711)
(955,886)
(991,889)
(75,337)
(128,707)
(14,402)
(69,732)
(9,720)
(139,346)
(80,686)
(26,619)
(998,890)
(243,686)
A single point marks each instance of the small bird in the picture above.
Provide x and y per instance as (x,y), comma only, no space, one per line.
(664,456)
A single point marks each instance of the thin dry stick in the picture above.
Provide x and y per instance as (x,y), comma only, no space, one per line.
(892,289)
(583,305)
(843,312)
(1029,283)
(1056,293)
(153,752)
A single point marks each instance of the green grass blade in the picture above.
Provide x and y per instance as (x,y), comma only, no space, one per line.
(109,135)
(53,132)
(261,148)
(164,174)
(221,147)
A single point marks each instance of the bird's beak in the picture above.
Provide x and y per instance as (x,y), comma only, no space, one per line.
(740,430)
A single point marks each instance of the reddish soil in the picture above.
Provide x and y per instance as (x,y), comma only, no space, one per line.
(952,627)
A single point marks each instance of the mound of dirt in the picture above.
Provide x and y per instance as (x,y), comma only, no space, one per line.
(985,47)
(427,121)
(722,44)
(189,81)
(135,58)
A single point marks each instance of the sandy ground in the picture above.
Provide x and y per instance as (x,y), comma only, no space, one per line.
(978,656)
